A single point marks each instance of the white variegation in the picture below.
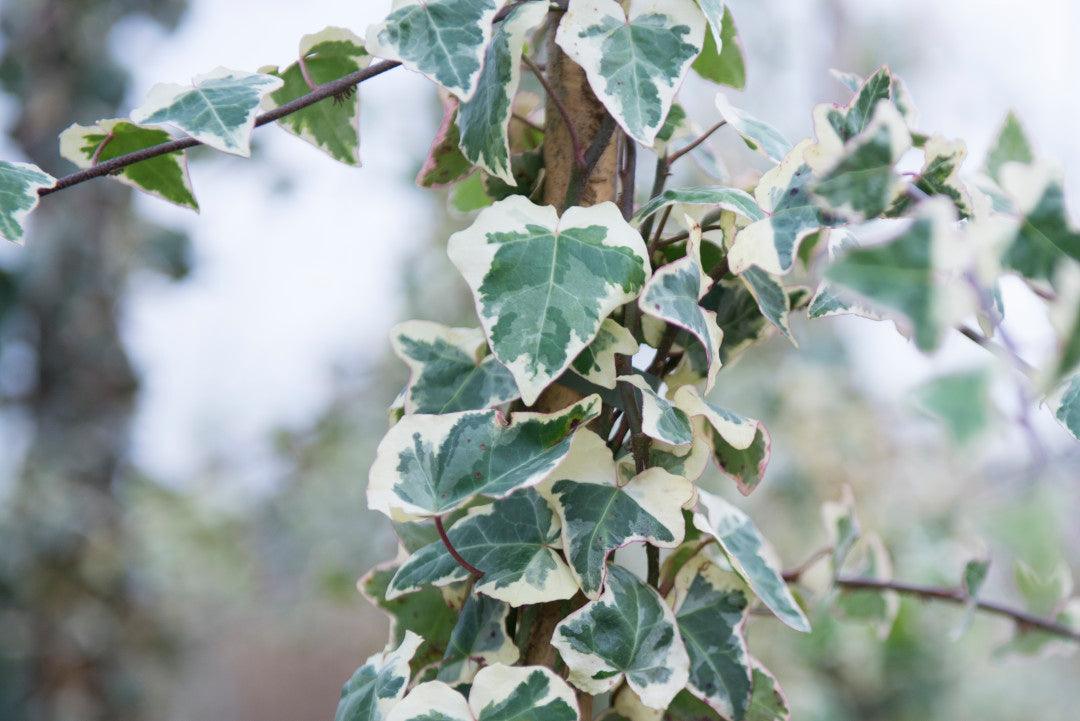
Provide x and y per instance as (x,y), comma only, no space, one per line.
(376,688)
(19,185)
(498,693)
(660,418)
(758,135)
(596,363)
(829,300)
(719,197)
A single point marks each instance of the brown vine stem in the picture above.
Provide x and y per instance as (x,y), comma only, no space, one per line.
(101,146)
(473,570)
(696,142)
(575,141)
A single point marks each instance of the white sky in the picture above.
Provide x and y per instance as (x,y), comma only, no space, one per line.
(287,286)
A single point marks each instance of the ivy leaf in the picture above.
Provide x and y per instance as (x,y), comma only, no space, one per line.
(961,401)
(851,81)
(737,201)
(628,632)
(741,446)
(377,686)
(332,125)
(483,119)
(514,541)
(745,548)
(673,295)
(429,465)
(596,363)
(829,300)
(442,39)
(544,284)
(634,65)
(1010,146)
(1066,405)
(660,419)
(165,176)
(19,184)
(498,693)
(721,59)
(1046,236)
(836,125)
(841,527)
(768,702)
(757,135)
(445,163)
(688,462)
(772,299)
(598,516)
(1065,318)
(449,370)
(738,315)
(479,639)
(218,109)
(711,609)
(971,581)
(869,559)
(940,174)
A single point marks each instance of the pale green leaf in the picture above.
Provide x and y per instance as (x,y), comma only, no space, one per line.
(424,612)
(429,465)
(841,527)
(599,516)
(721,59)
(377,686)
(660,419)
(1010,146)
(634,65)
(758,135)
(1046,237)
(737,201)
(961,401)
(19,184)
(750,557)
(514,541)
(596,363)
(469,195)
(768,702)
(479,639)
(627,633)
(333,124)
(217,109)
(741,446)
(829,300)
(449,369)
(483,120)
(442,39)
(544,284)
(165,176)
(869,559)
(445,163)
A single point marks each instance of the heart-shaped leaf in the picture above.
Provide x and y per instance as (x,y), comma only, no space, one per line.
(596,363)
(377,686)
(741,446)
(1046,238)
(479,639)
(498,693)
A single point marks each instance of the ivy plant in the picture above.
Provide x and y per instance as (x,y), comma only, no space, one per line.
(533,456)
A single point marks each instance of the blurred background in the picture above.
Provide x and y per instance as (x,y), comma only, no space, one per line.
(189,403)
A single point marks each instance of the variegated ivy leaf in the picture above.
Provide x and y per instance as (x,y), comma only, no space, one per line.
(757,135)
(673,295)
(738,316)
(869,559)
(714,14)
(449,369)
(1010,146)
(514,541)
(768,702)
(445,163)
(961,401)
(165,176)
(721,59)
(940,174)
(841,527)
(19,185)
(741,446)
(836,125)
(859,181)
(429,465)
(479,639)
(442,39)
(498,693)
(217,109)
(1065,318)
(829,300)
(331,125)
(772,299)
(599,516)
(596,363)
(660,419)
(711,608)
(737,201)
(686,461)
(1046,236)
(377,686)
(971,581)
(634,65)
(483,119)
(749,556)
(627,633)
(544,284)
(783,193)
(851,81)
(1066,405)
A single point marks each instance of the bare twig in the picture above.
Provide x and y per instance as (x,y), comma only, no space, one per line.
(697,141)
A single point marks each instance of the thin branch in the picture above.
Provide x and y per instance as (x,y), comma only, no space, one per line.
(101,146)
(664,215)
(526,122)
(627,176)
(575,141)
(579,179)
(698,141)
(684,235)
(301,62)
(998,350)
(473,570)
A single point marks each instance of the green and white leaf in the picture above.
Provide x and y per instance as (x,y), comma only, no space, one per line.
(484,119)
(673,295)
(596,363)
(1046,236)
(376,687)
(711,609)
(757,135)
(498,693)
(543,284)
(772,299)
(836,125)
(514,541)
(217,109)
(829,300)
(479,639)
(714,15)
(737,201)
(1066,405)
(599,516)
(738,316)
(869,559)
(634,65)
(1010,146)
(1064,314)
(428,465)
(445,163)
(721,59)
(851,81)
(449,369)
(841,527)
(442,39)
(165,176)
(961,401)
(741,446)
(749,556)
(940,174)
(686,461)
(627,633)
(332,125)
(660,419)
(19,185)
(971,581)
(768,702)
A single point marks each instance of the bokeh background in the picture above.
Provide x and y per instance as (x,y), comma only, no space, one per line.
(189,403)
